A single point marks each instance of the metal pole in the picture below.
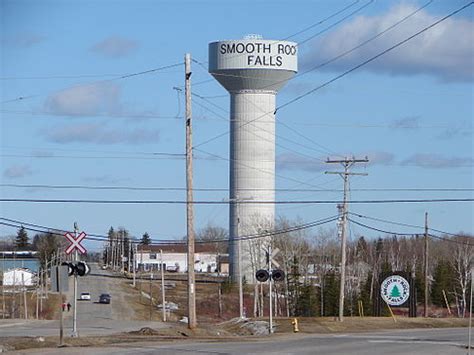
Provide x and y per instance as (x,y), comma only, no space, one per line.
(470,314)
(425,307)
(61,328)
(163,301)
(74,311)
(25,305)
(151,296)
(270,287)
(134,264)
(239,247)
(189,198)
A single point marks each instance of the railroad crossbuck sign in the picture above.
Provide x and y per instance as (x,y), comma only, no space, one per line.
(75,243)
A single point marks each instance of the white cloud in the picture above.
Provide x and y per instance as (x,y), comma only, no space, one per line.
(98,134)
(380,158)
(114,47)
(23,40)
(444,51)
(406,123)
(289,161)
(97,98)
(436,161)
(17,171)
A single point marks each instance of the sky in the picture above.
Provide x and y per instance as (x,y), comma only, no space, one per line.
(92,96)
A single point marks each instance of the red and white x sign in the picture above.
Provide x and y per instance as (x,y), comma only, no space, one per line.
(75,243)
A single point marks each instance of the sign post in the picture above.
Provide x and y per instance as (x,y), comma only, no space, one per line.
(75,246)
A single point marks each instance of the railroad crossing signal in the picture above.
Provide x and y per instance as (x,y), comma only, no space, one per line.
(81,268)
(75,243)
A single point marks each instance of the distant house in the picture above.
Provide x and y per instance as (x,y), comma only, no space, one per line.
(19,277)
(207,258)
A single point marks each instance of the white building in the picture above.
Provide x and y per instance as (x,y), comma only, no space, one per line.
(19,277)
(207,258)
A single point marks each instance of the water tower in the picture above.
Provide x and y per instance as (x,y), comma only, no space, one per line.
(252,70)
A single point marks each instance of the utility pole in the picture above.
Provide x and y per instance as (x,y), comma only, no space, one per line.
(347,163)
(189,197)
(425,307)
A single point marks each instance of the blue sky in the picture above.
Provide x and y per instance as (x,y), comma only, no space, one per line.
(410,111)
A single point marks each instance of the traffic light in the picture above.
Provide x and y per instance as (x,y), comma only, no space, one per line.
(278,275)
(262,275)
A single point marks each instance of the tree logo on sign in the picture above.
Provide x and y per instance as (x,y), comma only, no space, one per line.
(395,290)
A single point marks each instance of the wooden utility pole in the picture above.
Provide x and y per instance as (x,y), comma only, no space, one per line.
(347,163)
(425,308)
(189,197)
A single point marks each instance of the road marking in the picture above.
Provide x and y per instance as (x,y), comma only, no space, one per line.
(414,341)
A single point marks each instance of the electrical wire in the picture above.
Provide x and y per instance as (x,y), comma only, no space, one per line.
(104,81)
(211,202)
(408,234)
(403,224)
(102,238)
(350,70)
(371,59)
(212,189)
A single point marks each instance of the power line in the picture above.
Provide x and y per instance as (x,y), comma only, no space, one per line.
(211,202)
(348,71)
(337,22)
(210,189)
(125,76)
(404,224)
(49,113)
(254,168)
(408,234)
(398,44)
(103,238)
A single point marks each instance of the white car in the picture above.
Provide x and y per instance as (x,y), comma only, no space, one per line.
(85,296)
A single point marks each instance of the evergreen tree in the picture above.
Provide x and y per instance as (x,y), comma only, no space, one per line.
(22,240)
(365,295)
(293,282)
(146,240)
(307,305)
(331,295)
(443,279)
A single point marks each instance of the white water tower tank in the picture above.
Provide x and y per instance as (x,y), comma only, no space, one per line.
(252,70)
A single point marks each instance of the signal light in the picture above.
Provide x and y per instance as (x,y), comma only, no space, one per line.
(70,268)
(82,268)
(278,275)
(262,275)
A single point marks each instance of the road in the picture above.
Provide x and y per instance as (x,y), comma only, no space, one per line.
(93,318)
(447,341)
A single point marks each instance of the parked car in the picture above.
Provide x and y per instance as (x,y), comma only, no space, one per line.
(85,296)
(104,298)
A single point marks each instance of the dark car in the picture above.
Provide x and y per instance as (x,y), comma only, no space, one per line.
(104,298)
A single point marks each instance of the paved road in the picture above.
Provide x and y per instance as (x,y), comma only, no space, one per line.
(432,341)
(93,318)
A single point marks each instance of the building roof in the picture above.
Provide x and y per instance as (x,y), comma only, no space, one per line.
(180,248)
